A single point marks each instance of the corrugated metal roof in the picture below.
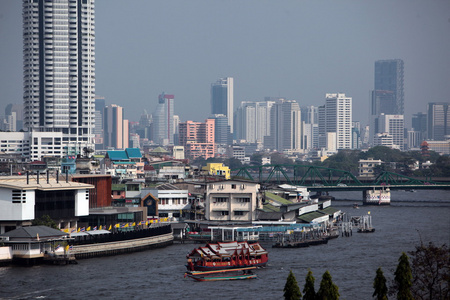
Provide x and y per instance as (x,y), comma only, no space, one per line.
(270,208)
(330,210)
(31,233)
(117,155)
(277,198)
(133,152)
(309,217)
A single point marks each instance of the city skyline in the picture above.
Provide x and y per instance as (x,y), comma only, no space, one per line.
(270,49)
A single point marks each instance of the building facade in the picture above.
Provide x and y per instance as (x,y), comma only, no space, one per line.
(438,121)
(115,127)
(222,99)
(163,120)
(198,138)
(59,69)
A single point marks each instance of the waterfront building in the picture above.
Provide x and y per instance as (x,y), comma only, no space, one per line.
(171,201)
(116,133)
(25,198)
(222,99)
(163,120)
(59,71)
(438,121)
(336,117)
(232,200)
(198,138)
(367,166)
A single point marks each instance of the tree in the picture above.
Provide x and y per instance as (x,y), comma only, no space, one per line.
(379,285)
(430,266)
(309,292)
(45,220)
(328,290)
(291,289)
(403,278)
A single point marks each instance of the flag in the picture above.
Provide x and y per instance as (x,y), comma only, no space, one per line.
(83,229)
(100,227)
(70,248)
(67,248)
(134,224)
(78,229)
(110,227)
(146,223)
(57,247)
(126,225)
(95,228)
(117,226)
(73,230)
(89,228)
(122,225)
(151,221)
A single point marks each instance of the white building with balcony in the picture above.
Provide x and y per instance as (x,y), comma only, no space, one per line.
(171,202)
(232,200)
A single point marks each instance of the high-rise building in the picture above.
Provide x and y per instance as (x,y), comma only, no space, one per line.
(438,121)
(389,83)
(197,138)
(388,95)
(222,99)
(252,121)
(286,130)
(222,134)
(163,121)
(392,125)
(115,128)
(59,70)
(336,116)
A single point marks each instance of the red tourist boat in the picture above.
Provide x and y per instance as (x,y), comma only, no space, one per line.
(227,255)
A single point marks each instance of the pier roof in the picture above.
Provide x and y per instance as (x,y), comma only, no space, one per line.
(34,233)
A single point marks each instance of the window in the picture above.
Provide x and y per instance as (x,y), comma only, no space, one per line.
(221,199)
(224,213)
(239,213)
(233,186)
(243,200)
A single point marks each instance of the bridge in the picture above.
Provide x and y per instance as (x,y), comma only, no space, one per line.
(317,178)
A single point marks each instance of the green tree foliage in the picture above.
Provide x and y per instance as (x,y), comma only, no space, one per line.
(45,220)
(430,266)
(278,158)
(442,167)
(343,160)
(256,158)
(379,285)
(291,289)
(403,278)
(328,290)
(309,292)
(233,163)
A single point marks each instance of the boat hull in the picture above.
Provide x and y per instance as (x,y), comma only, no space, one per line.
(222,278)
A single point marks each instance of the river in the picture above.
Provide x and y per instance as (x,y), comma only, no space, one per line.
(158,274)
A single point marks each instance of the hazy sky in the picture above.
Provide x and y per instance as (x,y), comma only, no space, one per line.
(298,49)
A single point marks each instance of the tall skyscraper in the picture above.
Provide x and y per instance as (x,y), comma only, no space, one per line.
(438,120)
(252,121)
(222,99)
(163,123)
(59,69)
(115,127)
(285,127)
(388,95)
(338,119)
(389,78)
(419,125)
(222,130)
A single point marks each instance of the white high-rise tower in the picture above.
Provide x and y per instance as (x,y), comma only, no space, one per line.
(59,70)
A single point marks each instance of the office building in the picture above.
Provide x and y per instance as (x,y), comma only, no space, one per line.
(222,99)
(389,87)
(394,126)
(59,70)
(163,120)
(286,132)
(115,128)
(252,121)
(222,130)
(438,121)
(419,124)
(336,116)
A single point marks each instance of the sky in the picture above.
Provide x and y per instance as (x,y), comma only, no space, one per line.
(296,49)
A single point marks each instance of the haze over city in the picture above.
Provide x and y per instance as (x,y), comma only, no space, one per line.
(299,50)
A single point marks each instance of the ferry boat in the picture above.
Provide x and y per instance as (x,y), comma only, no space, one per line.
(227,255)
(377,197)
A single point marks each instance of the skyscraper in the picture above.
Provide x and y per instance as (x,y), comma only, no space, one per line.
(336,117)
(389,81)
(163,123)
(438,120)
(222,99)
(115,127)
(59,69)
(394,126)
(252,121)
(285,127)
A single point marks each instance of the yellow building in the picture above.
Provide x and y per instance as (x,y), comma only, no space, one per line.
(217,169)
